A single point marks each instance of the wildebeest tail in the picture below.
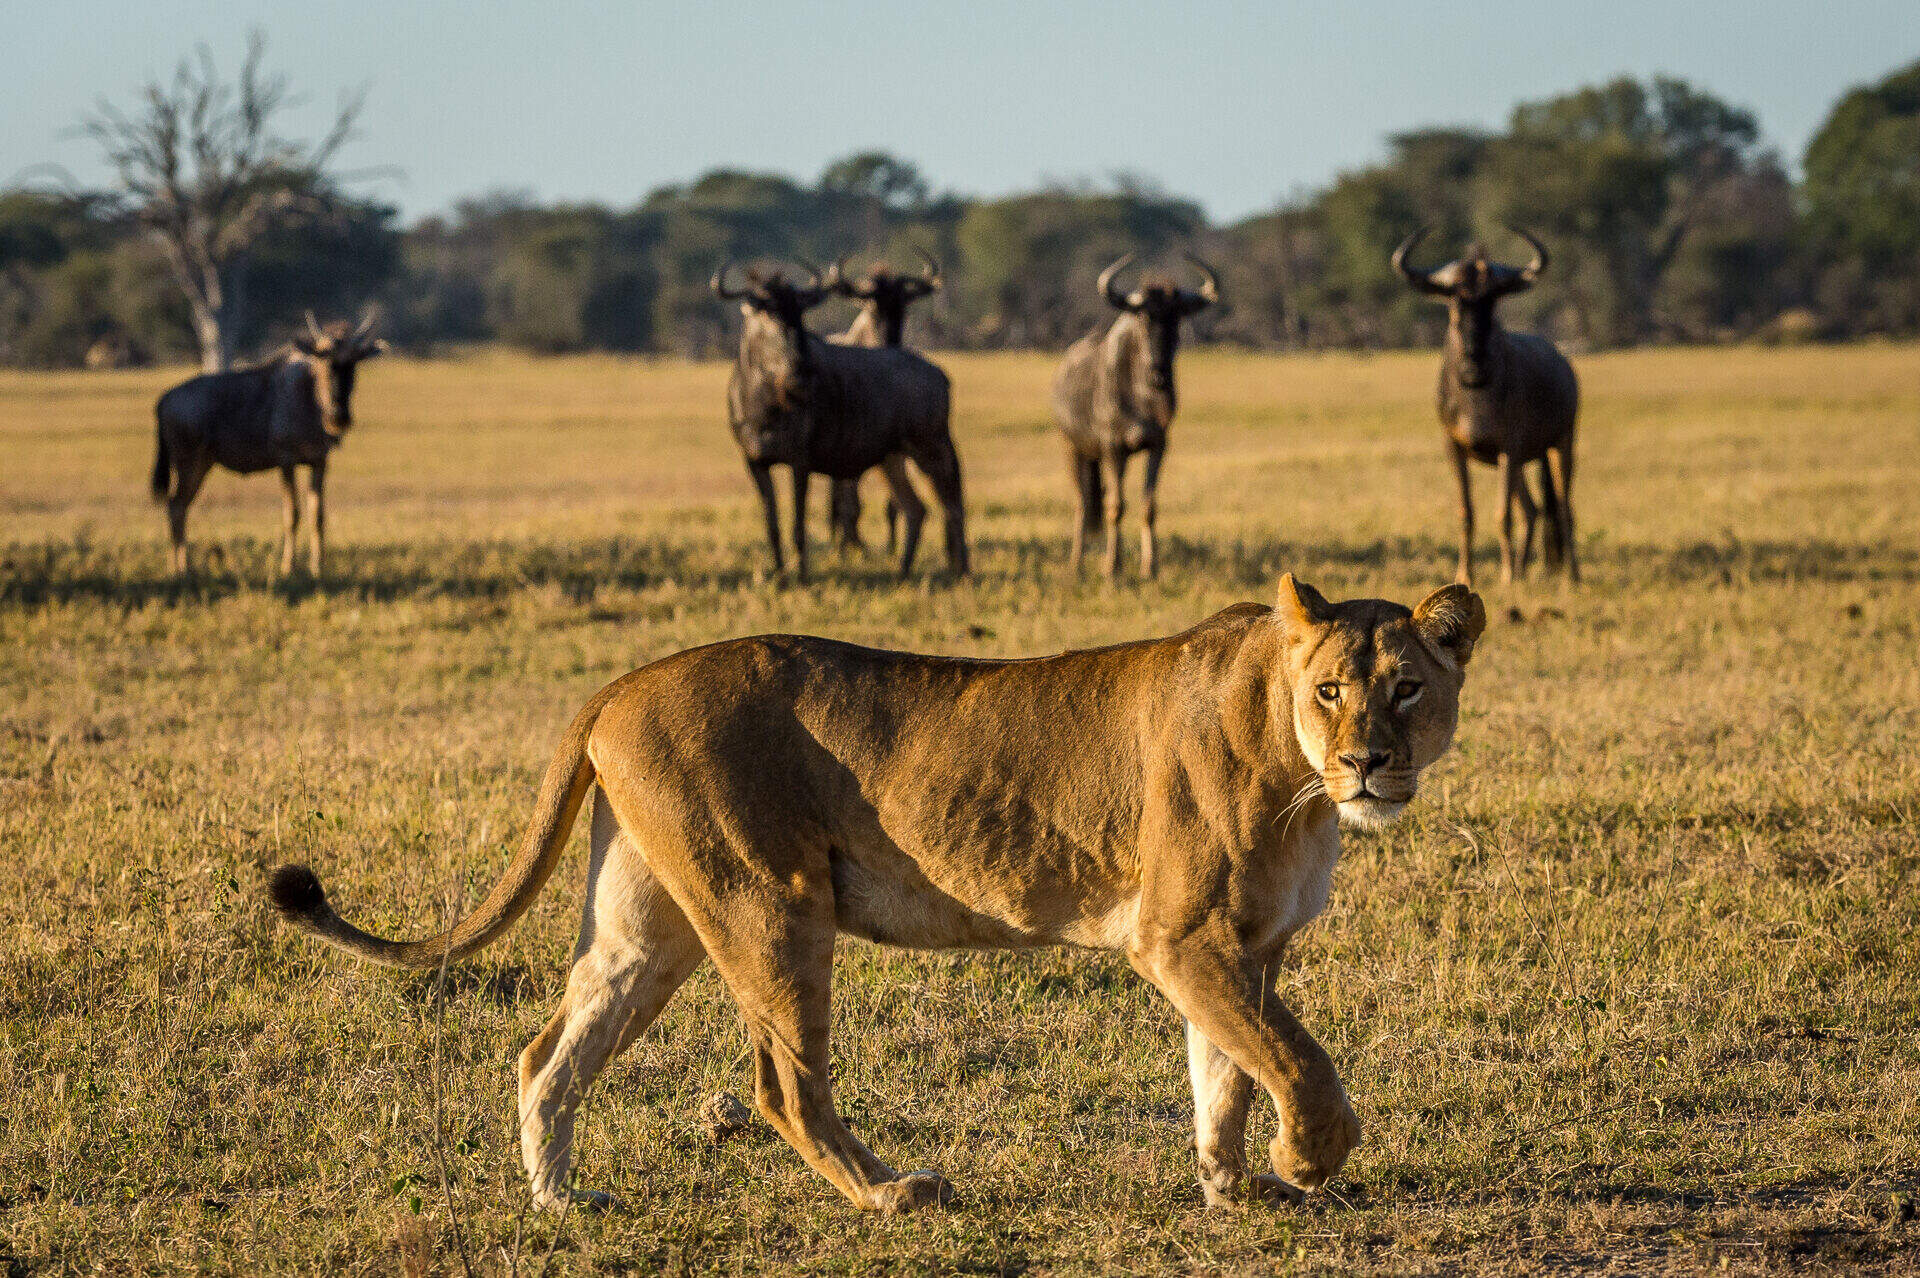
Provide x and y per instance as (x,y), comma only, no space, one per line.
(161,482)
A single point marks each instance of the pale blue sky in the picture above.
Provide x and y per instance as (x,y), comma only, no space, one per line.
(1235,104)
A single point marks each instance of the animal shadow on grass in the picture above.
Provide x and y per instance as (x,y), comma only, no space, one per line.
(1850,1220)
(1726,561)
(132,574)
(502,985)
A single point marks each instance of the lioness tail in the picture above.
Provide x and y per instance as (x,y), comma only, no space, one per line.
(296,892)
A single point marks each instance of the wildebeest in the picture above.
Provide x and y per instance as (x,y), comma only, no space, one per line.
(885,296)
(821,408)
(1505,399)
(288,413)
(1114,397)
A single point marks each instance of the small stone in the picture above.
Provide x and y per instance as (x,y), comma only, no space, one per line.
(723,1116)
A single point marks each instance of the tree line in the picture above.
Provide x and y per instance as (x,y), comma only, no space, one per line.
(1668,217)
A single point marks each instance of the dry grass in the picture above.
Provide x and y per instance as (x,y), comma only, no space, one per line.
(1633,985)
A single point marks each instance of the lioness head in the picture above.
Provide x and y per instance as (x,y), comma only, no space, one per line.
(1374,690)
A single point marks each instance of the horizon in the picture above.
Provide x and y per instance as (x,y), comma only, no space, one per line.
(1317,110)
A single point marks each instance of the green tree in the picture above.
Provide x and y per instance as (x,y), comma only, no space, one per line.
(1862,197)
(1031,260)
(1617,176)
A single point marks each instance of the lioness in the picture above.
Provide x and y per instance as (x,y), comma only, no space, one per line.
(1174,799)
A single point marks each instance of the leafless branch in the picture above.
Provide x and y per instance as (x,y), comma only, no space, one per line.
(199,161)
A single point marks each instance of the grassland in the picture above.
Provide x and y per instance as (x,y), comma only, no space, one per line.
(1634,985)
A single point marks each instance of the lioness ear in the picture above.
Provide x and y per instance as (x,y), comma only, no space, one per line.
(1451,619)
(1300,606)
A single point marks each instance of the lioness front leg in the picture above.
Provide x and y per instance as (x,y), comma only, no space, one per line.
(1204,972)
(1222,1097)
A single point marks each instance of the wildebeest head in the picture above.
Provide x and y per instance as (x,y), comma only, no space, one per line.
(770,293)
(1162,304)
(1472,284)
(332,354)
(888,293)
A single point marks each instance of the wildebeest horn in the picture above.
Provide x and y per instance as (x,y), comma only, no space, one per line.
(1422,280)
(719,284)
(932,272)
(368,318)
(1531,271)
(815,292)
(313,327)
(837,282)
(1210,290)
(1116,300)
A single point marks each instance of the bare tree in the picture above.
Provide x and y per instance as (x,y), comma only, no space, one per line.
(203,168)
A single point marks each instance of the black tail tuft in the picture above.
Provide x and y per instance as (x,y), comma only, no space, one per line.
(296,892)
(161,480)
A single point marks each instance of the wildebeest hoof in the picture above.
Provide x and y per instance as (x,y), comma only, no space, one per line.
(912,1192)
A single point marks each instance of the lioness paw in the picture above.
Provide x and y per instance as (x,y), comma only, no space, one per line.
(590,1200)
(1310,1153)
(1265,1190)
(912,1192)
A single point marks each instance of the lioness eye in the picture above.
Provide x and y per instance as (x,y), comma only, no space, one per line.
(1329,692)
(1406,690)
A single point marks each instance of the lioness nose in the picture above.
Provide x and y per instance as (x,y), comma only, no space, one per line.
(1364,763)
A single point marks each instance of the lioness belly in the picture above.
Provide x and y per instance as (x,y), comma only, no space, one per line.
(900,906)
(889,900)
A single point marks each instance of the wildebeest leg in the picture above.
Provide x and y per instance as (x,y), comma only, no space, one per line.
(636,950)
(902,499)
(844,514)
(941,465)
(188,474)
(316,517)
(1559,473)
(1113,473)
(1529,515)
(1086,482)
(1149,510)
(289,518)
(1552,552)
(801,478)
(1464,573)
(893,524)
(1509,498)
(763,484)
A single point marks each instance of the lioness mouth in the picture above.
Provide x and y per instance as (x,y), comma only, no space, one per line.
(1369,811)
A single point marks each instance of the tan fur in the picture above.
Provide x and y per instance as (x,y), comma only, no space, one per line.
(1176,799)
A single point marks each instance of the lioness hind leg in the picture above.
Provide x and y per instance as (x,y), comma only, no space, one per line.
(776,955)
(1222,1097)
(636,948)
